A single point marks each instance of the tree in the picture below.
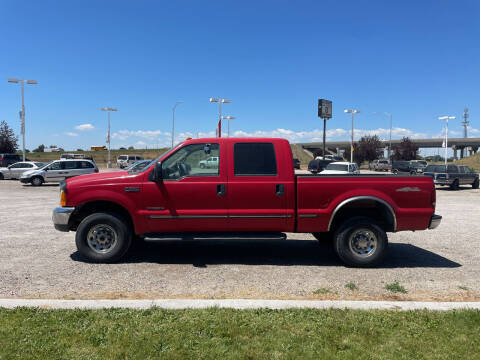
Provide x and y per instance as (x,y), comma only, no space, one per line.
(8,140)
(131,148)
(406,150)
(40,148)
(368,148)
(79,150)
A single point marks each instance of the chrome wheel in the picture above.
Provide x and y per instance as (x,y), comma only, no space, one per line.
(102,238)
(362,242)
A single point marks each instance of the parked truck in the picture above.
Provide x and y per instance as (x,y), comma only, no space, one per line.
(252,193)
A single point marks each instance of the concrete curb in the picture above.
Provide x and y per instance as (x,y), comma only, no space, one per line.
(236,304)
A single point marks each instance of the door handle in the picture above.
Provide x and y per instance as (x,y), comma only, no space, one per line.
(220,189)
(279,189)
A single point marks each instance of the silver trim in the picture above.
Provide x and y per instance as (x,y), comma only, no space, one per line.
(61,215)
(216,216)
(308,215)
(344,202)
(188,217)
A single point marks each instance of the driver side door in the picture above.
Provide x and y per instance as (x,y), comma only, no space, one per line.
(189,197)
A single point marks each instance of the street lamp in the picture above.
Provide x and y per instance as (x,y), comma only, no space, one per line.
(228,118)
(173,119)
(220,102)
(108,110)
(446,136)
(22,112)
(351,112)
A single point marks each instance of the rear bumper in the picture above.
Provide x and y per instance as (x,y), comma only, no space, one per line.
(435,220)
(61,216)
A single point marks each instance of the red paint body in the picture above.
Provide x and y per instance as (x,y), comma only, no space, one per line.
(191,204)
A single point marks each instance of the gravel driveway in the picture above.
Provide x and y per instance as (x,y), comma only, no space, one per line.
(37,261)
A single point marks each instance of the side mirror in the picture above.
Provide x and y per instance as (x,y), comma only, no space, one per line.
(157,172)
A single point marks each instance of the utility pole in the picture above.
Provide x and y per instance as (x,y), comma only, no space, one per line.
(108,110)
(22,112)
(446,136)
(173,120)
(353,112)
(220,102)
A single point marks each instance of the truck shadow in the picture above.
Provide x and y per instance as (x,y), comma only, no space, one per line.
(201,253)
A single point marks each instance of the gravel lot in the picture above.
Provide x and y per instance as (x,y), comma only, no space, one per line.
(37,261)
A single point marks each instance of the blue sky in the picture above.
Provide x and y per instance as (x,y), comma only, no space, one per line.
(415,59)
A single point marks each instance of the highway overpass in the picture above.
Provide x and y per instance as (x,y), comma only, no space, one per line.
(470,144)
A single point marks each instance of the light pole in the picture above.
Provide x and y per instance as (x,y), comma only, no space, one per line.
(220,102)
(173,119)
(22,112)
(446,135)
(108,110)
(228,118)
(351,112)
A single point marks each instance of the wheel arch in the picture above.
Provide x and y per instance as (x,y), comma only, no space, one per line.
(91,207)
(373,206)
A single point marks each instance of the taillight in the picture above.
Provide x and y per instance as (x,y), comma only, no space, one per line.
(96,170)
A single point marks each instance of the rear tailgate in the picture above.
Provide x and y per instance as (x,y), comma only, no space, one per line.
(411,198)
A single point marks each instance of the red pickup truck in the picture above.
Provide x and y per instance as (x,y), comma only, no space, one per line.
(251,192)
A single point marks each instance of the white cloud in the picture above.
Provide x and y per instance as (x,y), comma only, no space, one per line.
(84,127)
(71,133)
(158,138)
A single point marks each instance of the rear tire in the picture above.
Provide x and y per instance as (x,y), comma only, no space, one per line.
(37,181)
(475,184)
(360,242)
(455,185)
(103,237)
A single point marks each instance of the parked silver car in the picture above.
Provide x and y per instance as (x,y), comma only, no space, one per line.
(16,170)
(58,170)
(126,160)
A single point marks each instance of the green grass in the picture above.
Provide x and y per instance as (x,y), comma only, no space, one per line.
(322,291)
(396,287)
(238,334)
(471,161)
(351,286)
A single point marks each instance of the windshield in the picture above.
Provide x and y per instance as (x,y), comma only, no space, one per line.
(45,165)
(122,157)
(338,167)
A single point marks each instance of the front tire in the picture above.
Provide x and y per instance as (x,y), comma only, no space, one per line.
(103,237)
(360,242)
(475,184)
(37,181)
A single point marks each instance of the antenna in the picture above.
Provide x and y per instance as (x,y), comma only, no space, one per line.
(465,122)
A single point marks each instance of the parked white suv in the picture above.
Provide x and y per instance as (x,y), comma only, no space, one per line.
(58,170)
(124,161)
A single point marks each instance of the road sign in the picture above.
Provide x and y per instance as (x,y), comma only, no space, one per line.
(324,109)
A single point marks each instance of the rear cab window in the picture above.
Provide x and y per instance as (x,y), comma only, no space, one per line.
(254,159)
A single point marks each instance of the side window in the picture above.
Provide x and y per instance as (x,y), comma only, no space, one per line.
(17,166)
(27,166)
(461,170)
(257,159)
(86,165)
(55,166)
(191,160)
(452,169)
(70,165)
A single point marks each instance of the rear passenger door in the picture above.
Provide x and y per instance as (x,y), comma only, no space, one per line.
(256,190)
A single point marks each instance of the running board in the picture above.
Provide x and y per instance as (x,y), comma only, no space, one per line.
(216,236)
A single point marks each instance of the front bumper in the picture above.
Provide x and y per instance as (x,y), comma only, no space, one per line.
(61,216)
(434,221)
(25,180)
